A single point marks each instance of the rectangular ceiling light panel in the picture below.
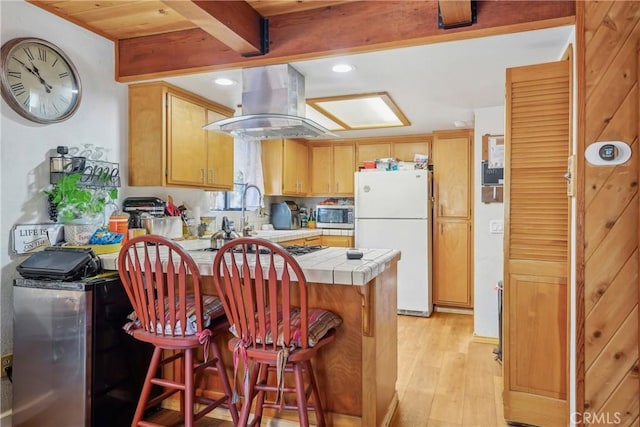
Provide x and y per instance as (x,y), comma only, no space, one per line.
(365,111)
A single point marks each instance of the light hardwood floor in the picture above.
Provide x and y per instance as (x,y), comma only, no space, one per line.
(444,378)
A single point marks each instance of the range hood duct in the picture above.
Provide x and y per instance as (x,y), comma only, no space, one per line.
(273,105)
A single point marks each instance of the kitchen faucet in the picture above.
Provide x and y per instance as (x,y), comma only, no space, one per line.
(244,207)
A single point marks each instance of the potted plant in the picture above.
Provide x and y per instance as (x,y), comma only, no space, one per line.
(80,208)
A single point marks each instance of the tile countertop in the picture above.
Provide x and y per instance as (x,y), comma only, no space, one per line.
(329,265)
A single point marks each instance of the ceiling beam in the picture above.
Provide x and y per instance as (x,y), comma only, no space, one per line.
(352,27)
(234,23)
(455,13)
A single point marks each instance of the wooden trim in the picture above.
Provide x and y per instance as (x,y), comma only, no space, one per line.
(314,34)
(376,139)
(485,340)
(212,105)
(579,241)
(234,23)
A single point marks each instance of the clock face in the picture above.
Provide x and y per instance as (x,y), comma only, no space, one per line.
(39,81)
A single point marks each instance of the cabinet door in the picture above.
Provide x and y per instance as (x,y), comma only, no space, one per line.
(290,171)
(452,263)
(451,176)
(302,165)
(187,148)
(368,152)
(343,169)
(272,167)
(321,173)
(406,150)
(219,156)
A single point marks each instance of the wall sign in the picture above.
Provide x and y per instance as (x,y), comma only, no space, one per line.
(29,238)
(492,168)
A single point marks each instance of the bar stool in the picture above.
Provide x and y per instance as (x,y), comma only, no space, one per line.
(258,283)
(170,312)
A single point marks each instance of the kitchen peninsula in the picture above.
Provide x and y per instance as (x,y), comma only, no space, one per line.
(357,373)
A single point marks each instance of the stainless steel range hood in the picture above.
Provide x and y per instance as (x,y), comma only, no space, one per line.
(273,105)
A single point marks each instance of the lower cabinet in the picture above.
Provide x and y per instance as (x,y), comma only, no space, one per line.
(338,241)
(306,241)
(451,257)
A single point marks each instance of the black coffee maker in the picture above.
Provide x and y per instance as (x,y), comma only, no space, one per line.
(137,206)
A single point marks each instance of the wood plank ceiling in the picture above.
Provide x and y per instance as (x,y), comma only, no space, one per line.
(155,38)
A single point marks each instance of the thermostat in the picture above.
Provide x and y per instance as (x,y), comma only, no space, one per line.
(609,153)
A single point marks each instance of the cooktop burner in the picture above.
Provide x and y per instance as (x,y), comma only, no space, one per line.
(292,249)
(302,250)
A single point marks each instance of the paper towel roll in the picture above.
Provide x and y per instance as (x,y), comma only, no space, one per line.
(196,214)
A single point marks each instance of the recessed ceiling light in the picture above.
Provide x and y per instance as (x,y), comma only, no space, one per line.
(223,81)
(342,68)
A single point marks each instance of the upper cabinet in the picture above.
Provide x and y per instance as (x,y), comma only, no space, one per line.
(167,144)
(371,151)
(399,147)
(285,167)
(332,168)
(452,152)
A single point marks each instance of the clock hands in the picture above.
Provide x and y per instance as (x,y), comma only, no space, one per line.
(34,71)
(47,86)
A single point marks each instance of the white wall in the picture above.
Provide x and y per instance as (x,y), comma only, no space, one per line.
(488,257)
(25,147)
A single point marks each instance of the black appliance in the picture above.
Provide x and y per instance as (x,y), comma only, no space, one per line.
(73,364)
(136,206)
(61,263)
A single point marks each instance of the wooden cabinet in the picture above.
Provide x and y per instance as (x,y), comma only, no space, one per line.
(305,241)
(332,168)
(452,184)
(372,151)
(285,165)
(452,253)
(405,151)
(338,241)
(219,155)
(167,144)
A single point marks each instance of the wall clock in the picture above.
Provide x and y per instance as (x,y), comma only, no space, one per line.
(38,80)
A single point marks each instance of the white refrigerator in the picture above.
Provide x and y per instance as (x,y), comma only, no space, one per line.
(393,210)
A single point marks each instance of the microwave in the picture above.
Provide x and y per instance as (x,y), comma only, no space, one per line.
(334,216)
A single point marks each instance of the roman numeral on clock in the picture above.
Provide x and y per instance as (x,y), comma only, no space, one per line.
(63,75)
(15,74)
(17,87)
(29,54)
(42,54)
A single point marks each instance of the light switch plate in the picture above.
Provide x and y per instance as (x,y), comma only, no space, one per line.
(496,226)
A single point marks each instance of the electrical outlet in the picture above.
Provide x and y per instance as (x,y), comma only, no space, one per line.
(6,362)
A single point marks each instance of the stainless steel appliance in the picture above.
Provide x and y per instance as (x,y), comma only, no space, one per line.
(285,215)
(334,216)
(273,106)
(73,365)
(136,206)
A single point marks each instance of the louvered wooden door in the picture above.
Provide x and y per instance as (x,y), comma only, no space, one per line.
(537,247)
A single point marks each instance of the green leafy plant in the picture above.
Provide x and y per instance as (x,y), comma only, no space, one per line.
(74,201)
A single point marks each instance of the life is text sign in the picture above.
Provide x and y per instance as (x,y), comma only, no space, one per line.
(28,238)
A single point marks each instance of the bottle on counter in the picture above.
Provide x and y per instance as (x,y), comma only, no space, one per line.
(303,218)
(311,223)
